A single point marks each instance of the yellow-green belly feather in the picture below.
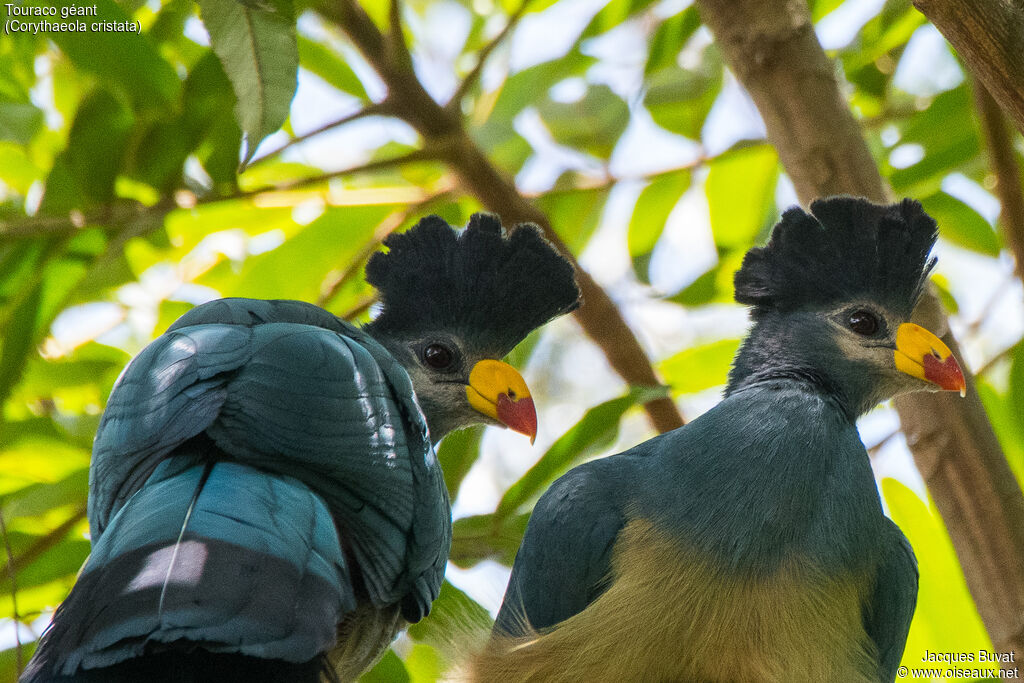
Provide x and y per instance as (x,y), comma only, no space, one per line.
(670,614)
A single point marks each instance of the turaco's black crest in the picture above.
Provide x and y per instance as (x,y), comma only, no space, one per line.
(845,249)
(494,287)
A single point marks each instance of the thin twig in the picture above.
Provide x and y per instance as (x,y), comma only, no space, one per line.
(382,108)
(45,542)
(471,78)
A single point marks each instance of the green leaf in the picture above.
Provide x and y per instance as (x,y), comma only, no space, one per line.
(297,268)
(19,121)
(594,432)
(325,63)
(614,14)
(457,453)
(389,669)
(740,188)
(714,286)
(100,131)
(128,60)
(487,537)
(701,367)
(18,339)
(946,618)
(453,617)
(525,87)
(17,170)
(948,132)
(574,214)
(592,124)
(961,224)
(256,43)
(670,37)
(679,99)
(650,214)
(1016,390)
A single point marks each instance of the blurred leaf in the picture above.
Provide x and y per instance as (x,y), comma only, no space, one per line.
(297,268)
(127,59)
(670,37)
(714,286)
(17,170)
(487,537)
(18,340)
(946,619)
(613,14)
(822,8)
(19,121)
(457,453)
(1004,414)
(9,660)
(100,131)
(740,188)
(454,619)
(650,214)
(424,664)
(700,367)
(35,499)
(679,99)
(325,63)
(257,46)
(595,431)
(961,224)
(1016,390)
(948,132)
(574,214)
(945,295)
(493,121)
(592,123)
(389,669)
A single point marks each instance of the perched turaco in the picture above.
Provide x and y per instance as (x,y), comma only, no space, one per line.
(265,502)
(748,546)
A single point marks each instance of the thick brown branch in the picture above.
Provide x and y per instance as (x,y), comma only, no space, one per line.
(988,35)
(772,48)
(442,130)
(1003,159)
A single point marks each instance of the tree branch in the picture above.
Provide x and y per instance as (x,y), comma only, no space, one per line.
(1003,159)
(988,34)
(382,108)
(773,50)
(443,131)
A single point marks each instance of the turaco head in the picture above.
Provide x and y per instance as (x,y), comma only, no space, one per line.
(831,296)
(455,302)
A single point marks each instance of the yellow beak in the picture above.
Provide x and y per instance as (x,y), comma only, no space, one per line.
(499,392)
(921,354)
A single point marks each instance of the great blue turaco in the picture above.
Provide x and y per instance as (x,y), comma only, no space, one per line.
(750,544)
(264,489)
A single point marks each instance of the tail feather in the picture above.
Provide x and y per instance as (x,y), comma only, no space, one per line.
(233,561)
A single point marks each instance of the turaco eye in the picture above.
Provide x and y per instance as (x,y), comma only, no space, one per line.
(437,356)
(863,322)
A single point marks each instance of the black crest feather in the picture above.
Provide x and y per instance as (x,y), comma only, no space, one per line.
(846,248)
(490,286)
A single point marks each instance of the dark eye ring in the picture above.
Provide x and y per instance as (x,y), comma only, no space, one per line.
(437,356)
(863,322)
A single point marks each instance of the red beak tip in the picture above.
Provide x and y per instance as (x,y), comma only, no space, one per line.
(519,415)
